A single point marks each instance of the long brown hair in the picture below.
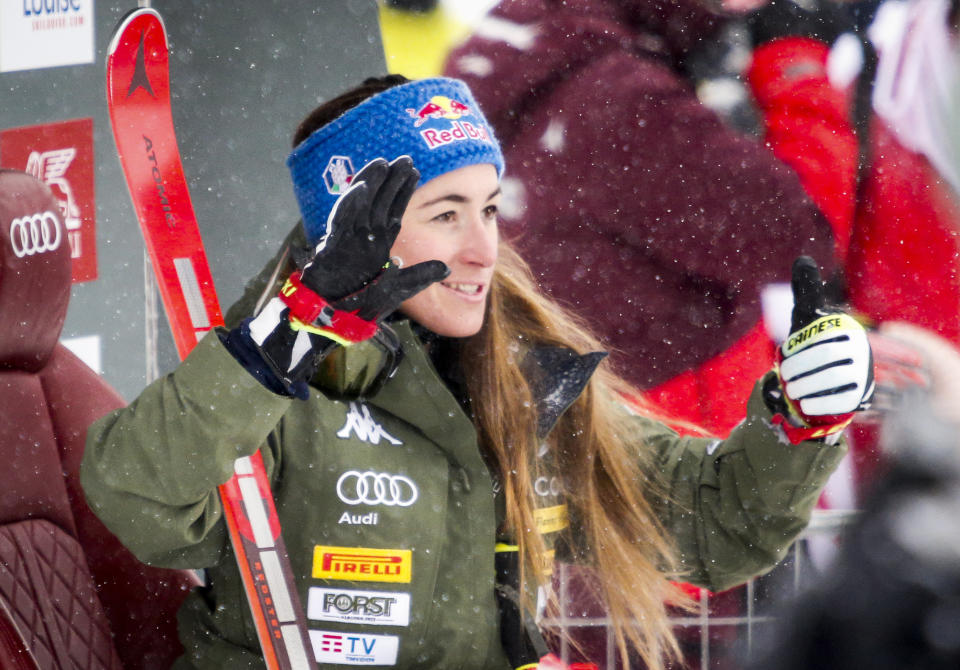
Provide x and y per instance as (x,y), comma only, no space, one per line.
(609,477)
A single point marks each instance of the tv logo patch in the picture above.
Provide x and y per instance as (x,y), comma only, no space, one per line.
(354,648)
(374,608)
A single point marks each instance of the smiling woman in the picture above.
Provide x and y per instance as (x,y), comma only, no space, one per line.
(411,393)
(453,218)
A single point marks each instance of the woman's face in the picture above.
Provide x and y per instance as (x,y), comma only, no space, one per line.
(452,218)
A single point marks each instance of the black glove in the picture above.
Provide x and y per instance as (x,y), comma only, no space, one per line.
(824,21)
(350,283)
(825,367)
(351,267)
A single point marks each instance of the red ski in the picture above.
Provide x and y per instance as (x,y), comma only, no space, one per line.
(138,95)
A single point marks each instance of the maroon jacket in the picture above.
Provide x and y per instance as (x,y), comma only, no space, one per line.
(640,208)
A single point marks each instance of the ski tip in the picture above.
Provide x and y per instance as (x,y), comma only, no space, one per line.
(125,22)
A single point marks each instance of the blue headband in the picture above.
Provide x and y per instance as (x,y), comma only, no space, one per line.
(434,121)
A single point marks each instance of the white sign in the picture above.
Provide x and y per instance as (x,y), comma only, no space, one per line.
(87,349)
(45,33)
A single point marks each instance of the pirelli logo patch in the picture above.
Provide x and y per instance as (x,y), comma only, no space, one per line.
(359,564)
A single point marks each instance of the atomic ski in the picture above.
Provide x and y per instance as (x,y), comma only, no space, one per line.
(138,95)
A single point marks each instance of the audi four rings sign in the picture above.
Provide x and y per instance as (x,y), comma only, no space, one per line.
(61,155)
(376,488)
(35,234)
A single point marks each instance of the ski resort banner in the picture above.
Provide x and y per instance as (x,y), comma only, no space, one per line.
(61,155)
(45,33)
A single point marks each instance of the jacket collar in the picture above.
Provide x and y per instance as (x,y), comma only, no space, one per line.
(557,376)
(416,394)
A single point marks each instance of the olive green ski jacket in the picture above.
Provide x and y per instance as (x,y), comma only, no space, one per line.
(400,476)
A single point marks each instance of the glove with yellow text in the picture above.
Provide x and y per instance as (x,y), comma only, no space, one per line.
(824,368)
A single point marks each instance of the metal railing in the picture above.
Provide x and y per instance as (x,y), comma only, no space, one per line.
(725,627)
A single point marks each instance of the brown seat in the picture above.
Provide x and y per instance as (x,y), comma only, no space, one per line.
(71,596)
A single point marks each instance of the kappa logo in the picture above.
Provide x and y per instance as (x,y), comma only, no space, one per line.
(360,564)
(354,648)
(360,423)
(374,608)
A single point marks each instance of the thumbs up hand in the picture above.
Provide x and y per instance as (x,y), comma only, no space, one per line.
(825,367)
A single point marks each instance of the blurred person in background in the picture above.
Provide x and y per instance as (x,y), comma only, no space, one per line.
(854,99)
(883,172)
(892,598)
(633,200)
(870,141)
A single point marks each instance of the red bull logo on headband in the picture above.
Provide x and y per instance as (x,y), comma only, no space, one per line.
(439,107)
(458,131)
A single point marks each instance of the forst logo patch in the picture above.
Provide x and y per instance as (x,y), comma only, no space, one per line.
(360,564)
(453,126)
(374,608)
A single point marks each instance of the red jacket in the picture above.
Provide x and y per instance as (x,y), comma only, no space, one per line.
(900,247)
(808,126)
(903,263)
